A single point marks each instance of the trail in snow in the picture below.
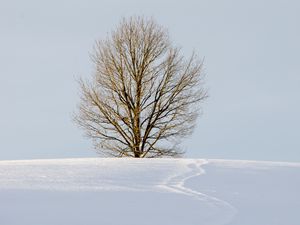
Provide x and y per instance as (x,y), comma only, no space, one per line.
(162,175)
(147,179)
(177,183)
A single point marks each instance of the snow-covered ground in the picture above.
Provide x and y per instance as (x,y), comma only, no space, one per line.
(149,192)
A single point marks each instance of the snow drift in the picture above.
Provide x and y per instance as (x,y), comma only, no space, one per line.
(149,192)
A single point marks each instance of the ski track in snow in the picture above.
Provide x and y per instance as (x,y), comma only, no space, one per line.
(176,184)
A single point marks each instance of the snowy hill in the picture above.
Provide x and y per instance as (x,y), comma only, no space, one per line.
(149,192)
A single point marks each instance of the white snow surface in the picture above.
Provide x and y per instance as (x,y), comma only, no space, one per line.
(106,191)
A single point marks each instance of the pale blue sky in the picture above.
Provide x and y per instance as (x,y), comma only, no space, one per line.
(251,51)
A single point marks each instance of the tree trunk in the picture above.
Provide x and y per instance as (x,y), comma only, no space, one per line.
(137,155)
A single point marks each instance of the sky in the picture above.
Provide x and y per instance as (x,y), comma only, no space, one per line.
(251,51)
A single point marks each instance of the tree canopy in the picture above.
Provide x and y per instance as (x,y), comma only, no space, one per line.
(144,95)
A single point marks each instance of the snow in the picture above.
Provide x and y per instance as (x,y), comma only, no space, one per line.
(149,191)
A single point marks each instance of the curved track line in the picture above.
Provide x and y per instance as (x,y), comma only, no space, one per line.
(177,184)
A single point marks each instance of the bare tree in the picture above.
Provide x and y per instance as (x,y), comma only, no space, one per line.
(144,96)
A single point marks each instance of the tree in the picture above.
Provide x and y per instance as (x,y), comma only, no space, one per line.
(144,95)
